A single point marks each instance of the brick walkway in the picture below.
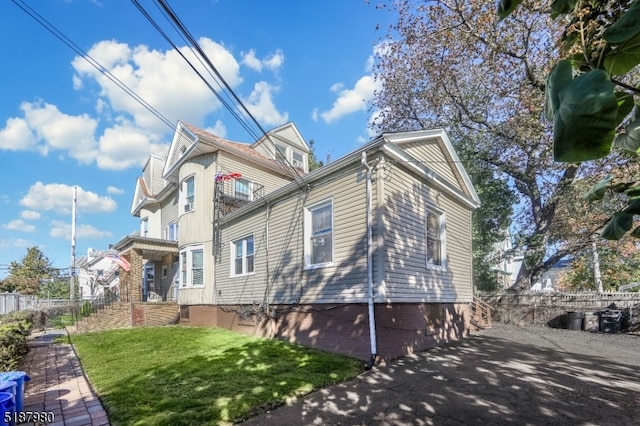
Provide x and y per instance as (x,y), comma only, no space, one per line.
(58,384)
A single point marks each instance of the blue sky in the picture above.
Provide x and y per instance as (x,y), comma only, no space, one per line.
(62,123)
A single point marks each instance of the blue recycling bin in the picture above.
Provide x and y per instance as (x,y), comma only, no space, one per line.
(20,377)
(9,386)
(6,406)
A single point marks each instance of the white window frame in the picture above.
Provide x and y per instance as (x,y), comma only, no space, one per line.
(301,160)
(308,234)
(144,227)
(239,183)
(186,266)
(172,228)
(441,264)
(184,197)
(243,244)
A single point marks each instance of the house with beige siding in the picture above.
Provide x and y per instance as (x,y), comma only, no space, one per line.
(368,256)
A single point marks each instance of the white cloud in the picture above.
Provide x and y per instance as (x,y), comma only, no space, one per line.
(17,136)
(251,61)
(114,191)
(19,225)
(219,129)
(15,243)
(349,100)
(161,78)
(58,197)
(73,134)
(272,61)
(60,229)
(123,146)
(30,215)
(262,107)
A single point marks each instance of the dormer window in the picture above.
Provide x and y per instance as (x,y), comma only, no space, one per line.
(298,160)
(281,152)
(290,156)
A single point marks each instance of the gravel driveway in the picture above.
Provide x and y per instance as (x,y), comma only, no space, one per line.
(505,375)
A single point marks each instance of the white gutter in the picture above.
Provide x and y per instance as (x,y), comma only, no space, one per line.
(372,318)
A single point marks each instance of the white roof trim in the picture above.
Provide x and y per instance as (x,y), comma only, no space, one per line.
(407,137)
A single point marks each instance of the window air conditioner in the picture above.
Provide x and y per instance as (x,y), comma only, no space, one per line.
(297,163)
(188,207)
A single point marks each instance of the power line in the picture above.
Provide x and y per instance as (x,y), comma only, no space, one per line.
(66,40)
(182,29)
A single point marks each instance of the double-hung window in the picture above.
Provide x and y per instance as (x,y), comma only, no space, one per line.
(435,238)
(144,227)
(243,189)
(319,234)
(188,194)
(192,267)
(171,233)
(242,256)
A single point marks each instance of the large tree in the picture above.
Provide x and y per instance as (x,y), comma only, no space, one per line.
(591,95)
(25,276)
(451,64)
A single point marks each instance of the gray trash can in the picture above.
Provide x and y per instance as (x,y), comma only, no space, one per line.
(574,320)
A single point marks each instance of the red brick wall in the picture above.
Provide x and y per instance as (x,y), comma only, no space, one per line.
(400,328)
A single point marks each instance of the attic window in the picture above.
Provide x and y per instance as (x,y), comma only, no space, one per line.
(298,160)
(183,148)
(281,152)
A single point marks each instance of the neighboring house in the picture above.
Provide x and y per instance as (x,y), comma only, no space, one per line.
(96,272)
(369,255)
(509,262)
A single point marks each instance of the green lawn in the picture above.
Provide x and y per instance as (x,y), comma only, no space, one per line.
(196,376)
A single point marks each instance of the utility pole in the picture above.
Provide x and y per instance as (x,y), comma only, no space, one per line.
(72,277)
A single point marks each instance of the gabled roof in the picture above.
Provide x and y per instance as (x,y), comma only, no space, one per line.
(150,187)
(287,133)
(190,141)
(468,194)
(387,143)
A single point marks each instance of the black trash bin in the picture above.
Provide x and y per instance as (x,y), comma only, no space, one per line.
(610,320)
(574,320)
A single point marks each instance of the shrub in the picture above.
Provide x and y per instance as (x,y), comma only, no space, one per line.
(86,309)
(14,331)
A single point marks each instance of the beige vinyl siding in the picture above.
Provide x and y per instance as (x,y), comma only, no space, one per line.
(261,175)
(197,226)
(204,294)
(429,153)
(407,277)
(169,209)
(154,219)
(344,281)
(243,289)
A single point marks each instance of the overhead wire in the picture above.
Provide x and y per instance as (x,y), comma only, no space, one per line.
(179,25)
(66,40)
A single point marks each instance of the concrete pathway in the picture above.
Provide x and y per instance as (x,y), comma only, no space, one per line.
(58,385)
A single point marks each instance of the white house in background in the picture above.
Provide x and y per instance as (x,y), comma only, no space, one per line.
(509,261)
(96,272)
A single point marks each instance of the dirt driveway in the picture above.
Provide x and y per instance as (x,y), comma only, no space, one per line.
(506,375)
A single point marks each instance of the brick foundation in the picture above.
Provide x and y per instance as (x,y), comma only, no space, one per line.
(401,329)
(128,315)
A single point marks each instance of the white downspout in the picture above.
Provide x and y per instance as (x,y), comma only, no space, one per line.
(372,318)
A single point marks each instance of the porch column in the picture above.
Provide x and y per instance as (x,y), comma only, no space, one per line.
(135,275)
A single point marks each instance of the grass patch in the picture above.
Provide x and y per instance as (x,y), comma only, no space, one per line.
(200,376)
(62,321)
